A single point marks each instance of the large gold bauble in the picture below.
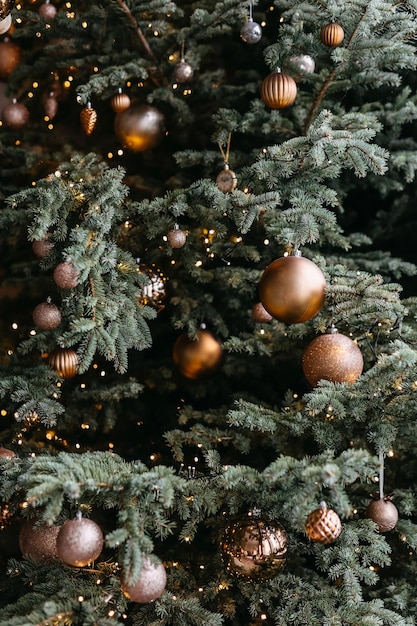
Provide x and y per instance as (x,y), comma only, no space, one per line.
(384,513)
(254,548)
(292,289)
(140,127)
(278,90)
(333,357)
(79,542)
(197,357)
(64,361)
(38,541)
(323,525)
(150,584)
(10,57)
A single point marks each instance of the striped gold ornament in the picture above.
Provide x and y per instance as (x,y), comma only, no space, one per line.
(120,102)
(278,90)
(64,361)
(332,35)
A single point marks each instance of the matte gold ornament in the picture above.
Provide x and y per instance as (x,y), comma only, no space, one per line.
(66,275)
(333,357)
(139,128)
(254,548)
(332,35)
(48,11)
(64,361)
(79,541)
(183,72)
(5,453)
(15,115)
(278,90)
(260,314)
(5,24)
(197,357)
(292,289)
(46,316)
(42,247)
(120,102)
(5,7)
(150,584)
(226,180)
(323,525)
(88,118)
(384,513)
(10,58)
(38,541)
(176,237)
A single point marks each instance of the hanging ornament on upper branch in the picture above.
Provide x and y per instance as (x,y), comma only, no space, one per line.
(48,11)
(278,90)
(226,179)
(251,32)
(151,582)
(88,118)
(120,102)
(50,105)
(10,58)
(292,289)
(15,115)
(140,127)
(197,357)
(64,361)
(323,525)
(46,315)
(176,237)
(384,513)
(79,541)
(5,24)
(332,35)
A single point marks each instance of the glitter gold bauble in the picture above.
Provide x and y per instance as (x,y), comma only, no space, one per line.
(260,314)
(10,57)
(384,513)
(66,275)
(48,11)
(150,585)
(5,7)
(5,453)
(323,525)
(139,128)
(46,316)
(88,119)
(38,541)
(197,357)
(79,541)
(15,115)
(226,180)
(332,35)
(278,90)
(183,72)
(292,289)
(64,361)
(42,247)
(176,237)
(333,357)
(120,102)
(254,548)
(5,24)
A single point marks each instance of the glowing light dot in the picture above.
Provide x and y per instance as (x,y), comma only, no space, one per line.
(80,598)
(120,152)
(82,385)
(15,326)
(78,446)
(266,242)
(84,24)
(199,263)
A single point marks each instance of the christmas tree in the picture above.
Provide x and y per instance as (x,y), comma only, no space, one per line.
(208,320)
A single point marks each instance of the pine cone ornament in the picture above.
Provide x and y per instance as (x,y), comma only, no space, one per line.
(88,117)
(323,525)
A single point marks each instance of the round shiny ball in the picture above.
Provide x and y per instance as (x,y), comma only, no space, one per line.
(66,275)
(260,314)
(150,584)
(197,357)
(46,316)
(226,180)
(48,11)
(10,57)
(5,7)
(384,513)
(5,24)
(251,32)
(278,90)
(176,238)
(183,72)
(120,102)
(332,35)
(64,361)
(254,548)
(323,525)
(140,127)
(332,357)
(79,542)
(5,453)
(292,289)
(15,115)
(38,541)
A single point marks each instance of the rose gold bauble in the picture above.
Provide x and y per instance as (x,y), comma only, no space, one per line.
(260,314)
(384,513)
(47,11)
(139,128)
(333,357)
(5,453)
(42,247)
(150,584)
(278,90)
(183,72)
(197,357)
(46,316)
(323,525)
(120,102)
(5,24)
(64,361)
(79,542)
(176,238)
(38,541)
(332,35)
(254,548)
(15,115)
(292,289)
(66,275)
(10,57)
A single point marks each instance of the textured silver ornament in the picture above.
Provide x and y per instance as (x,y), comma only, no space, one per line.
(38,542)
(79,542)
(304,62)
(150,584)
(176,237)
(251,32)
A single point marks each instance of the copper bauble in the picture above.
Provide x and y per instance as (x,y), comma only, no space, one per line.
(46,316)
(38,541)
(323,525)
(48,11)
(42,247)
(120,102)
(384,513)
(197,357)
(333,357)
(176,238)
(254,548)
(88,119)
(260,314)
(66,275)
(150,584)
(5,453)
(5,24)
(183,72)
(292,289)
(332,35)
(64,361)
(15,115)
(5,7)
(139,128)
(226,180)
(79,542)
(10,57)
(278,90)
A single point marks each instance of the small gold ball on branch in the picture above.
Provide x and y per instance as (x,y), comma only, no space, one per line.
(323,525)
(120,102)
(332,35)
(64,361)
(197,357)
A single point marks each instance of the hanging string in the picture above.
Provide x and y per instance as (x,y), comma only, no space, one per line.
(182,51)
(226,154)
(250,11)
(381,475)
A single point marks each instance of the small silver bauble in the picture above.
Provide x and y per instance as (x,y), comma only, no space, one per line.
(251,32)
(304,62)
(183,72)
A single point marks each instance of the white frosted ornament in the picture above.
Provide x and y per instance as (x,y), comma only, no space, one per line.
(251,32)
(79,541)
(150,584)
